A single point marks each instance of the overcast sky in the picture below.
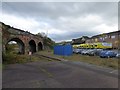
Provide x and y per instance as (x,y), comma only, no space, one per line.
(62,20)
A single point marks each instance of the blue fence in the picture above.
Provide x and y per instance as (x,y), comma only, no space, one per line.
(64,50)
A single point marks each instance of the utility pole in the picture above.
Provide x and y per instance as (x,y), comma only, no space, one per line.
(46,39)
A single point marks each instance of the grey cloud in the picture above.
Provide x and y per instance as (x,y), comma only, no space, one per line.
(50,13)
(72,35)
(56,9)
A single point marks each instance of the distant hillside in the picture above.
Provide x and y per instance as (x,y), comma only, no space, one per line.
(64,43)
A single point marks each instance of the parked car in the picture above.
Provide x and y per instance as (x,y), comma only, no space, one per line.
(84,52)
(92,52)
(118,55)
(88,51)
(108,54)
(73,50)
(76,51)
(98,51)
(80,51)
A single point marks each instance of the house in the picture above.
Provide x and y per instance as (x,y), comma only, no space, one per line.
(79,40)
(112,37)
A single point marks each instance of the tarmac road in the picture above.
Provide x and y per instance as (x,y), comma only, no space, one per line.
(58,74)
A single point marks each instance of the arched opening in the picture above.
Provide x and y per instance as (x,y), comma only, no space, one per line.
(40,46)
(32,46)
(15,45)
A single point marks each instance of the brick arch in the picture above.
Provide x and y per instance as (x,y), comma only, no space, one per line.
(19,42)
(40,46)
(32,46)
(8,33)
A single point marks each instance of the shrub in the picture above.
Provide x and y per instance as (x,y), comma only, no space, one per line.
(9,58)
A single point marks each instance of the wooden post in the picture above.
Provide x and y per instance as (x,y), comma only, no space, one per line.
(30,53)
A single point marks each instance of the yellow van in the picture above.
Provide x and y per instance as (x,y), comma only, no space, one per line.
(103,45)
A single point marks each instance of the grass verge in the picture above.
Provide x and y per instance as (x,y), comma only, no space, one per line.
(15,58)
(96,60)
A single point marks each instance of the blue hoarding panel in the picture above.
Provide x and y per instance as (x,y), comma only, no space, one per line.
(65,50)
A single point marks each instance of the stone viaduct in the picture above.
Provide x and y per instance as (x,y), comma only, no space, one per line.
(26,40)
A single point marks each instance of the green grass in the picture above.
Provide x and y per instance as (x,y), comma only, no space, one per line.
(105,62)
(96,60)
(14,58)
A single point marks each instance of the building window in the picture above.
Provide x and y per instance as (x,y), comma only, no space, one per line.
(112,36)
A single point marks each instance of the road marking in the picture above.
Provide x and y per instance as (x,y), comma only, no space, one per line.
(112,71)
(65,60)
(45,71)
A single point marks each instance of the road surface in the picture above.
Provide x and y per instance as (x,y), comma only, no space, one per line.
(58,74)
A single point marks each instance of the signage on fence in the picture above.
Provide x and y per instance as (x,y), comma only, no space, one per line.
(30,53)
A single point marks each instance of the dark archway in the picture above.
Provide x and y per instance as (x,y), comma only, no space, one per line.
(40,46)
(32,46)
(21,46)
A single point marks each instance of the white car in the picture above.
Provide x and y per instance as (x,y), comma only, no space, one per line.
(118,55)
(76,51)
